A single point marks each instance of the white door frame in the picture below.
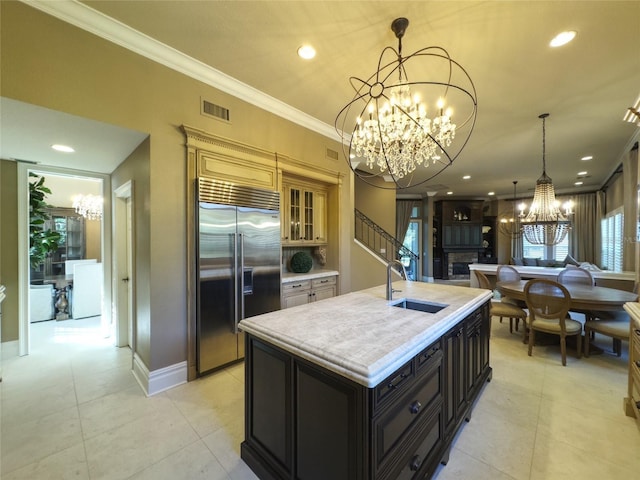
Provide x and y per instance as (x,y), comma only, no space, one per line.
(123,261)
(24,343)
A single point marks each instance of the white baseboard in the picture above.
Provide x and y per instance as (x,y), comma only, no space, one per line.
(158,380)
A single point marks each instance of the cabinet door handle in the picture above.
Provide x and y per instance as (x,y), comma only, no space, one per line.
(396,381)
(296,286)
(324,281)
(637,331)
(638,363)
(415,407)
(416,461)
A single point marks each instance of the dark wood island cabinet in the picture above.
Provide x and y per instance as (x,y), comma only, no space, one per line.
(304,420)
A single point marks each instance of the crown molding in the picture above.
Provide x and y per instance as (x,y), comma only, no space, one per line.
(101,25)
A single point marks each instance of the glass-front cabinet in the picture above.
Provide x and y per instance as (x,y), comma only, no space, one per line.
(70,226)
(304,214)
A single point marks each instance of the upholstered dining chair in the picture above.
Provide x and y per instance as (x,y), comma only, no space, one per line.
(548,303)
(577,276)
(499,308)
(506,273)
(609,324)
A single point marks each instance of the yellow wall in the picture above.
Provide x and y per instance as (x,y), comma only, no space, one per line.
(9,243)
(53,64)
(380,206)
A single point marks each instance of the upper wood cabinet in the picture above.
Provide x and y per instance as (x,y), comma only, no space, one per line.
(71,228)
(459,224)
(304,213)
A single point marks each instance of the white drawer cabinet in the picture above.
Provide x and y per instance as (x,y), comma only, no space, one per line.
(306,291)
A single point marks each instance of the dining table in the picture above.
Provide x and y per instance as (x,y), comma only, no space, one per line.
(583,297)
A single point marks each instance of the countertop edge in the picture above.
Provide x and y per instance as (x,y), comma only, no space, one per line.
(288,277)
(371,375)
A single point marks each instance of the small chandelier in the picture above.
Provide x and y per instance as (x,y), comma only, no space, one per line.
(509,223)
(545,224)
(393,129)
(89,206)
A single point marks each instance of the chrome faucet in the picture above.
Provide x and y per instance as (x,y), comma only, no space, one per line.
(390,289)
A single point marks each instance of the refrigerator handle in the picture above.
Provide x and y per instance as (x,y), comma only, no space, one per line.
(235,282)
(241,274)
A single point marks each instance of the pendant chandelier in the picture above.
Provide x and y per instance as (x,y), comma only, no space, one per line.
(545,224)
(509,223)
(395,124)
(89,206)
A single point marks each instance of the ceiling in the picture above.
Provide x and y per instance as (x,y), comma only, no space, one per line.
(586,85)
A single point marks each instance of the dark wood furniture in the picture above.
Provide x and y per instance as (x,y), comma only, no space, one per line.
(304,421)
(458,227)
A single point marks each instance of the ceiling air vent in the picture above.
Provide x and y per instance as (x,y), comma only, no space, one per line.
(216,111)
(332,154)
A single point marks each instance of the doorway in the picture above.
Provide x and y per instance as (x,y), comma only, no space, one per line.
(83,241)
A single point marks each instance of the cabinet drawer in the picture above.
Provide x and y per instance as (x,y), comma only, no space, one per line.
(635,337)
(292,287)
(428,356)
(393,386)
(430,437)
(392,426)
(323,282)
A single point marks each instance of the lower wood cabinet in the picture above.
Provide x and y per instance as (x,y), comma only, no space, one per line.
(632,402)
(303,421)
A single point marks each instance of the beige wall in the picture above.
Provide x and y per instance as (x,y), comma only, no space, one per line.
(53,64)
(615,194)
(380,206)
(9,243)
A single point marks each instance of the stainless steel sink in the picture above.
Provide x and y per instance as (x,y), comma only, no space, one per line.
(420,305)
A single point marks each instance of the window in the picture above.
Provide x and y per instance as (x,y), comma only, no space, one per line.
(611,227)
(546,252)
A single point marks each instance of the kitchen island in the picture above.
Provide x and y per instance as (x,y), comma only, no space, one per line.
(354,387)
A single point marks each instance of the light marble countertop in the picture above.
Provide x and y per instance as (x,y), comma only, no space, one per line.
(298,277)
(360,335)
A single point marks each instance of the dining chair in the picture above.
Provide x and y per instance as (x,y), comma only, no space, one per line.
(548,303)
(609,324)
(506,273)
(499,308)
(577,276)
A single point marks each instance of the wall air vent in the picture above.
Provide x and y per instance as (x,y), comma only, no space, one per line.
(216,111)
(332,154)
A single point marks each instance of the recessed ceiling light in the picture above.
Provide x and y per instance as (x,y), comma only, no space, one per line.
(466,177)
(491,193)
(562,38)
(449,193)
(582,174)
(588,157)
(62,148)
(578,183)
(307,52)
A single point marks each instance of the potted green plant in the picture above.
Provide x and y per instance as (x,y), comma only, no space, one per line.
(42,241)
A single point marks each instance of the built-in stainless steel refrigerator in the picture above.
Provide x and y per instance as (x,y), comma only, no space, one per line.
(239,267)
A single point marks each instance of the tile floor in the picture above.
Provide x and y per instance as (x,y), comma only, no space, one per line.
(72,409)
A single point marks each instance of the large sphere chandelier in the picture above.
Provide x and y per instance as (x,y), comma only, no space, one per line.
(545,224)
(397,121)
